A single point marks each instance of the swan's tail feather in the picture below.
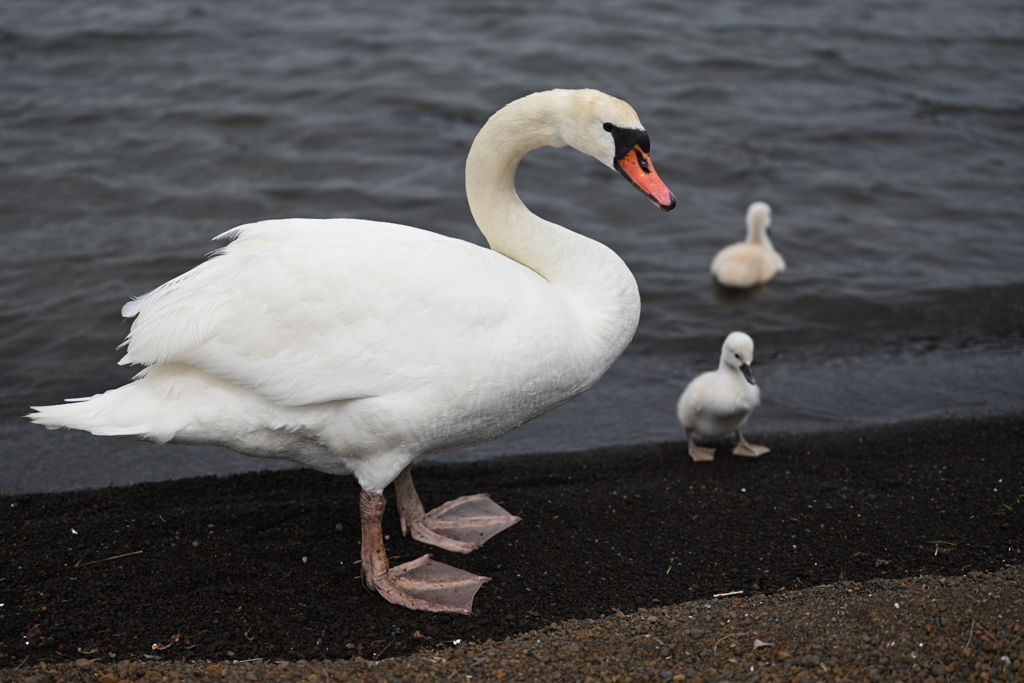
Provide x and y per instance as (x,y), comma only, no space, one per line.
(171,402)
(118,412)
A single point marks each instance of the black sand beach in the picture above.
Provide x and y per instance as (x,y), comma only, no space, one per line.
(264,565)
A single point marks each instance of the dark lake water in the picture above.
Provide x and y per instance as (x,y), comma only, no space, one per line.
(888,136)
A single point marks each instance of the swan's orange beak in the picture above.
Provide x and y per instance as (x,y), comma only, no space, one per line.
(639,170)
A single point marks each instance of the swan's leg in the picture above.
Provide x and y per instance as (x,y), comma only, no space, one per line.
(461,525)
(698,453)
(422,584)
(747,449)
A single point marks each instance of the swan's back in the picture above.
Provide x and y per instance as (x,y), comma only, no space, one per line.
(745,265)
(692,399)
(308,311)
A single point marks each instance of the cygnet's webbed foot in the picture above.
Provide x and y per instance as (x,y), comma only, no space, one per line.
(461,525)
(698,453)
(430,586)
(701,454)
(422,584)
(747,449)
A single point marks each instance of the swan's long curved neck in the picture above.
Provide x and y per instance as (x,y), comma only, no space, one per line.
(510,227)
(590,274)
(757,233)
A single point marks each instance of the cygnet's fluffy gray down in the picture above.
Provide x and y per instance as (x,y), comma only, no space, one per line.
(754,261)
(716,403)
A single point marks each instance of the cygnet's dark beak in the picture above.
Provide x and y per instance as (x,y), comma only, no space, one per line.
(748,373)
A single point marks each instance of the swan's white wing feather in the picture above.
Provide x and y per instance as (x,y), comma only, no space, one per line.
(131,309)
(306,311)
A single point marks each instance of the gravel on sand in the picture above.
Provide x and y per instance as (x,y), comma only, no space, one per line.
(926,628)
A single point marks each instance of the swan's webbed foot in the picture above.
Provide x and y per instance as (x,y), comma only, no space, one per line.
(429,586)
(698,453)
(421,584)
(461,525)
(747,449)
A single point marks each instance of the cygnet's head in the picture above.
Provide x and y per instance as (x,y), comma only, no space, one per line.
(738,352)
(609,130)
(759,218)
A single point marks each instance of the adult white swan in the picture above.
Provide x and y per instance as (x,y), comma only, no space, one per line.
(354,346)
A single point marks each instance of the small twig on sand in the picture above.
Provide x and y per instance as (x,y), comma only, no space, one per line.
(22,662)
(990,635)
(105,559)
(731,635)
(964,651)
(377,655)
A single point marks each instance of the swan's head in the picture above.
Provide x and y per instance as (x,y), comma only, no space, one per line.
(738,351)
(759,218)
(609,130)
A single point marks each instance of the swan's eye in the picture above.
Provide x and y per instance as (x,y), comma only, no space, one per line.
(610,128)
(737,356)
